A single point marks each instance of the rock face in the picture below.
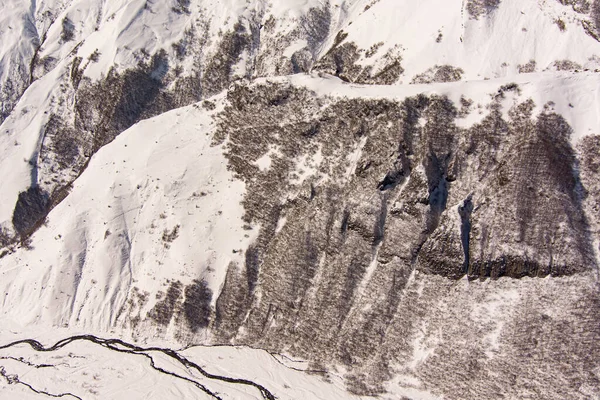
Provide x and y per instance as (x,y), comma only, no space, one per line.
(423,203)
(414,221)
(30,209)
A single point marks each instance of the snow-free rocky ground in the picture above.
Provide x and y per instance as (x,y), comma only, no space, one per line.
(300,199)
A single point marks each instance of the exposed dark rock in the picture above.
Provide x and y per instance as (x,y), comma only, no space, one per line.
(30,210)
(465,210)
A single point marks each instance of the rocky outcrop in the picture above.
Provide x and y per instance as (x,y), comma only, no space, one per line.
(424,199)
(31,208)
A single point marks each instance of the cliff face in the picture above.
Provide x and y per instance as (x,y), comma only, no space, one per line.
(412,207)
(395,205)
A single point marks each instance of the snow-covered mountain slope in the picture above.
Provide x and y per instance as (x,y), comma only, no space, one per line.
(159,238)
(97,67)
(84,367)
(158,203)
(402,194)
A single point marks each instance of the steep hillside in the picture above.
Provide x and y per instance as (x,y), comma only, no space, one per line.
(402,194)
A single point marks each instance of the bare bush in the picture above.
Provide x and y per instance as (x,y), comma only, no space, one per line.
(478,8)
(566,65)
(95,56)
(170,236)
(527,68)
(595,14)
(5,237)
(439,73)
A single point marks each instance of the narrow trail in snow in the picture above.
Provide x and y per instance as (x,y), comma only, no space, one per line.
(124,347)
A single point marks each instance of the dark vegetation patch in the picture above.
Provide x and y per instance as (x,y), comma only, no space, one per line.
(527,68)
(104,109)
(169,236)
(580,6)
(439,73)
(62,144)
(502,198)
(591,24)
(182,6)
(108,107)
(509,177)
(589,148)
(164,309)
(316,26)
(196,306)
(217,75)
(95,56)
(68,30)
(342,60)
(566,65)
(479,8)
(5,238)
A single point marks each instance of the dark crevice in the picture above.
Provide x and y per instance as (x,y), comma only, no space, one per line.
(398,175)
(391,180)
(465,210)
(437,180)
(379,229)
(252,267)
(345,221)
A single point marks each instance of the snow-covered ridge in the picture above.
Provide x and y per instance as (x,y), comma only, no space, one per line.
(209,44)
(156,204)
(158,210)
